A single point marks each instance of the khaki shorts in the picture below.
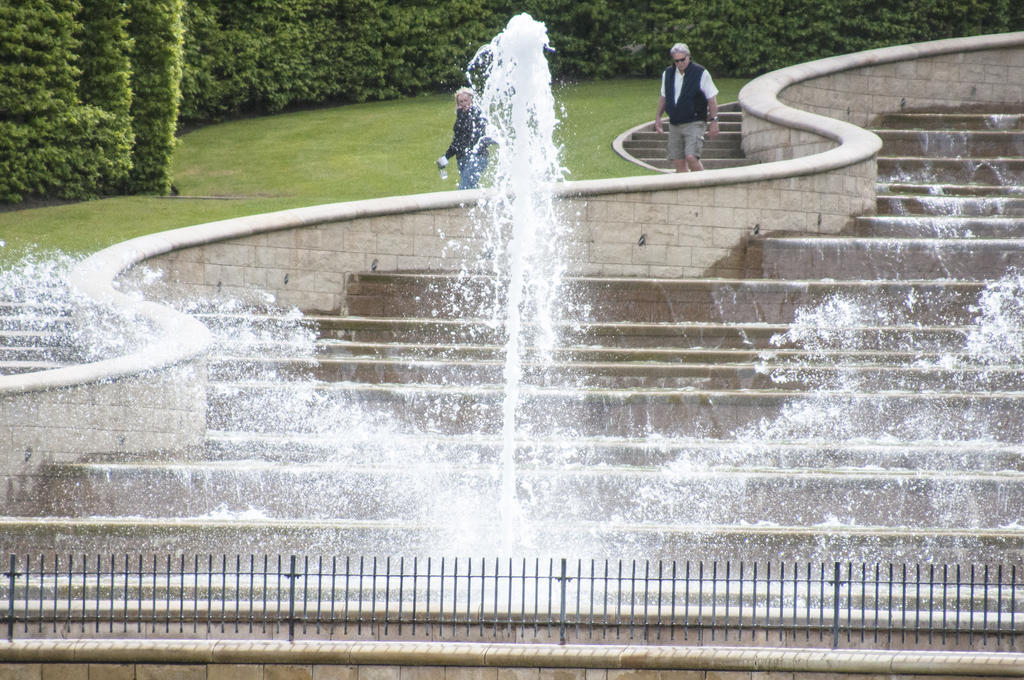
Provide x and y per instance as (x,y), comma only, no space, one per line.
(685,140)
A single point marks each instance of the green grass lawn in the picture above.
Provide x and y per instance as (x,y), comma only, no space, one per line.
(327,155)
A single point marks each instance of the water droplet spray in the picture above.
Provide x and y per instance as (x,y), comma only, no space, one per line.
(519,104)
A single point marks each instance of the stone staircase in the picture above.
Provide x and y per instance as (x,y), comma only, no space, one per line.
(832,406)
(646,147)
(950,206)
(34,334)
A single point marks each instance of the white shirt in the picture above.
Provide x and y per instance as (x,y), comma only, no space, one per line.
(707,85)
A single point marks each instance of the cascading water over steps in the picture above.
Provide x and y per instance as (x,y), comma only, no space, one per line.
(835,404)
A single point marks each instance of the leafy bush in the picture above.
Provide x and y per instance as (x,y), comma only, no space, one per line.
(70,127)
(52,143)
(105,85)
(265,56)
(91,91)
(156,59)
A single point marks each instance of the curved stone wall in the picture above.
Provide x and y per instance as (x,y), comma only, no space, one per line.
(800,110)
(150,400)
(822,174)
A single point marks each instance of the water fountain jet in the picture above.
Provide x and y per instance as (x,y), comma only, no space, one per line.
(519,104)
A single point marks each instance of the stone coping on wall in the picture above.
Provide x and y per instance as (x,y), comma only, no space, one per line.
(759,97)
(94,278)
(96,275)
(497,655)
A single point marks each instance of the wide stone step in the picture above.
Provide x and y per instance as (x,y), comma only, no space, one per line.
(939,226)
(657,141)
(986,171)
(952,143)
(378,410)
(799,371)
(237,535)
(475,449)
(698,454)
(372,329)
(31,353)
(711,151)
(19,307)
(954,121)
(35,348)
(980,191)
(708,163)
(668,300)
(19,367)
(777,352)
(30,338)
(984,206)
(728,131)
(40,323)
(410,491)
(612,335)
(716,148)
(854,258)
(728,122)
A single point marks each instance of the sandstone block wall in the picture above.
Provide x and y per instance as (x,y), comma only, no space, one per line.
(152,411)
(985,73)
(284,671)
(244,660)
(306,267)
(687,231)
(966,78)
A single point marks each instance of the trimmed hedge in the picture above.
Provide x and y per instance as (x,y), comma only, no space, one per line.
(91,91)
(39,111)
(156,58)
(85,108)
(105,85)
(267,55)
(264,56)
(749,38)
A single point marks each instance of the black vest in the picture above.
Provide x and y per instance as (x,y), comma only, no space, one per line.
(692,104)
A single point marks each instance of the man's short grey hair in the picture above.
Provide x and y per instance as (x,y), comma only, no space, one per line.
(465,90)
(679,48)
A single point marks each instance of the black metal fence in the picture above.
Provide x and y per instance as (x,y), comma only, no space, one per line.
(664,602)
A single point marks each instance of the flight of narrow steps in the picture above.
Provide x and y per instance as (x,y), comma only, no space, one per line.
(647,146)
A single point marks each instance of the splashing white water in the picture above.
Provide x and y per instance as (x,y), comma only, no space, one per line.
(67,328)
(519,104)
(998,334)
(851,347)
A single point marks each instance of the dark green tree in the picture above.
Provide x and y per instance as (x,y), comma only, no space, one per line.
(103,57)
(52,144)
(156,30)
